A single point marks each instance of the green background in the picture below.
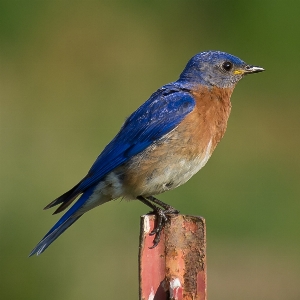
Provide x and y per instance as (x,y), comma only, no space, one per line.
(72,71)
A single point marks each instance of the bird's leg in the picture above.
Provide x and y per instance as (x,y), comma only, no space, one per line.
(168,208)
(161,215)
(161,220)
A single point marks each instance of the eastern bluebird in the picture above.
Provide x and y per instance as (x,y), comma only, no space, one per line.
(161,145)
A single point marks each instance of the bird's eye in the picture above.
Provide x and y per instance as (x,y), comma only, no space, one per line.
(227,65)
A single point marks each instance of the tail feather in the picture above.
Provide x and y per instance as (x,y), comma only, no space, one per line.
(63,223)
(66,199)
(52,236)
(64,205)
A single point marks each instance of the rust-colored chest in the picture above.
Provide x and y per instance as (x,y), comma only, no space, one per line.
(208,121)
(181,153)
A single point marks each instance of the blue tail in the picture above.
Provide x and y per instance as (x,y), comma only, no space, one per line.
(51,237)
(63,223)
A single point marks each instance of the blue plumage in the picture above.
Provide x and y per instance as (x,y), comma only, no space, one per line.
(63,223)
(160,114)
(209,75)
(155,118)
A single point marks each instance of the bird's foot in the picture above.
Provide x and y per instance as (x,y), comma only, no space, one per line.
(161,222)
(161,215)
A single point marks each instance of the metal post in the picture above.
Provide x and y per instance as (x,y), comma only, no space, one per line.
(176,268)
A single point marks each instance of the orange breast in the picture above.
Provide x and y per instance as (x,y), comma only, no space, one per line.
(210,116)
(176,157)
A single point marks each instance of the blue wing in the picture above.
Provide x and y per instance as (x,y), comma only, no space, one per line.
(161,113)
(151,121)
(156,117)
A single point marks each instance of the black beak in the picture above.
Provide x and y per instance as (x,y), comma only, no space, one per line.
(253,69)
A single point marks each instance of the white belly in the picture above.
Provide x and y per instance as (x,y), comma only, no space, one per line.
(177,173)
(162,179)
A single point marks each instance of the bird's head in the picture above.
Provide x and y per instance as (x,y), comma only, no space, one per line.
(216,68)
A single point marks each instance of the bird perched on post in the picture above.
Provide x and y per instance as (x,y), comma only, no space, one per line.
(167,140)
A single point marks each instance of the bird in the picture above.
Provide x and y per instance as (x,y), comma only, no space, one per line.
(161,145)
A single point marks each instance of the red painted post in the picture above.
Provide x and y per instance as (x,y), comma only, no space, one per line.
(176,268)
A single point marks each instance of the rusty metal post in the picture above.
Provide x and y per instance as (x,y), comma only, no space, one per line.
(176,268)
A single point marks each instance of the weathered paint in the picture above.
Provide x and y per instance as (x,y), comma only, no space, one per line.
(176,268)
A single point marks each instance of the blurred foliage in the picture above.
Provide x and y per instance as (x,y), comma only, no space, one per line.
(70,73)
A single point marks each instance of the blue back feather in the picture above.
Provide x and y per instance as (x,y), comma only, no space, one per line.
(160,114)
(156,117)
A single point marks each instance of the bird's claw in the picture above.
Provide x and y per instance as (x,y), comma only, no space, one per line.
(161,222)
(161,214)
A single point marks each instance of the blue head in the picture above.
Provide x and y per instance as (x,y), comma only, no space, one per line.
(216,68)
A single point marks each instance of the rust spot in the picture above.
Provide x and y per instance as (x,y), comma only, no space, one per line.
(185,254)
